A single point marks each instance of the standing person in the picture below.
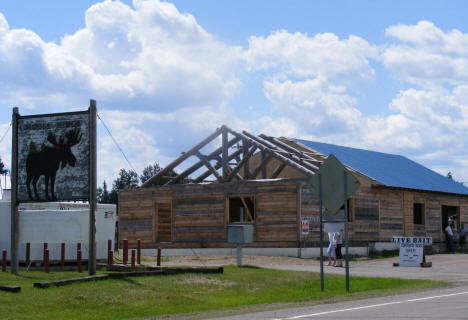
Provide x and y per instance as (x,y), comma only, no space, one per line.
(338,245)
(449,236)
(462,238)
(331,249)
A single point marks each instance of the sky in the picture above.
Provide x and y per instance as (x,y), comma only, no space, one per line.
(389,76)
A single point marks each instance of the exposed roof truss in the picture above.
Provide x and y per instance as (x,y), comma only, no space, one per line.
(231,161)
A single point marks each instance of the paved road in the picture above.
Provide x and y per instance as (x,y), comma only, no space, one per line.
(447,303)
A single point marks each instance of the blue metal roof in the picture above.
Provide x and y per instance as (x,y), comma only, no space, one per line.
(389,169)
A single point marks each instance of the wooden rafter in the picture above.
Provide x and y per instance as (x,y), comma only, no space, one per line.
(179,160)
(241,163)
(261,166)
(199,164)
(278,170)
(217,166)
(209,166)
(247,209)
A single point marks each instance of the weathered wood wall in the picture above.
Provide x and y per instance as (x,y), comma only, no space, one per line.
(199,215)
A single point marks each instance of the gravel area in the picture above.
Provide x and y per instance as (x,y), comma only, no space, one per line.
(446,267)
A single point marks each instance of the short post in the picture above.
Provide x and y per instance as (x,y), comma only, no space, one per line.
(239,255)
(125,251)
(46,260)
(62,254)
(78,246)
(46,246)
(111,257)
(138,251)
(133,258)
(78,260)
(158,263)
(4,258)
(28,253)
(109,245)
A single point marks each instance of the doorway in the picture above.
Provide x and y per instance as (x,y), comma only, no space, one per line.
(453,213)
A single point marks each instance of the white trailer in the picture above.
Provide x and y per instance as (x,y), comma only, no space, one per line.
(56,223)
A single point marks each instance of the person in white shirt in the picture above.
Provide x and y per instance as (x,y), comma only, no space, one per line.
(331,249)
(449,236)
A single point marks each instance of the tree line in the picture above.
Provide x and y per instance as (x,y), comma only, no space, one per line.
(129,179)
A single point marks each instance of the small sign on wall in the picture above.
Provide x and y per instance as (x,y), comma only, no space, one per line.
(305,226)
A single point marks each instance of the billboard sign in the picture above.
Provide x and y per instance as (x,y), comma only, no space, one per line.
(53,157)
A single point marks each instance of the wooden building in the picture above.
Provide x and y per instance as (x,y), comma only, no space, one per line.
(263,180)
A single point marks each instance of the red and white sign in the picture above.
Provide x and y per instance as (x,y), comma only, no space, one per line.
(305,226)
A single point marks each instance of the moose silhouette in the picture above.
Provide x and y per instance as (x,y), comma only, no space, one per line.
(47,162)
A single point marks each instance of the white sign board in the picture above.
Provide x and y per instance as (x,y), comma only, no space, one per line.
(72,226)
(411,250)
(411,254)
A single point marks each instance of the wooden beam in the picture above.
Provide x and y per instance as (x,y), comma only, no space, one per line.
(301,155)
(240,164)
(261,166)
(199,164)
(205,175)
(279,150)
(182,158)
(247,209)
(224,161)
(278,170)
(209,166)
(245,147)
(273,154)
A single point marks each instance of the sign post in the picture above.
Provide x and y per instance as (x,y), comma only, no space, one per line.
(54,159)
(14,260)
(92,189)
(336,177)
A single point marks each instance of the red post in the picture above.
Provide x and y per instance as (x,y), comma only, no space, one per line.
(78,246)
(28,253)
(133,258)
(139,251)
(109,245)
(78,260)
(46,260)
(125,251)
(159,257)
(111,257)
(46,246)
(62,254)
(4,252)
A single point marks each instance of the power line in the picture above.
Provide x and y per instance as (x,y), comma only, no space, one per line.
(115,141)
(6,131)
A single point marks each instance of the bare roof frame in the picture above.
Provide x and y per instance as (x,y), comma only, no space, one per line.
(236,165)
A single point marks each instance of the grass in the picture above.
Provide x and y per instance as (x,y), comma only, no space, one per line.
(156,296)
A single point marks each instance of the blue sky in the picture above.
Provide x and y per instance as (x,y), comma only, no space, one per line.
(381,75)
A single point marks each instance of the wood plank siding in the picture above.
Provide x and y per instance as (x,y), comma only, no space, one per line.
(196,215)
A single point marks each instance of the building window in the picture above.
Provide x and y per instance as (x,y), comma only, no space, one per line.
(350,203)
(418,213)
(241,209)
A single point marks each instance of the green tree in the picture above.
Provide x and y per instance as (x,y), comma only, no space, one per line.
(126,180)
(153,169)
(3,170)
(103,195)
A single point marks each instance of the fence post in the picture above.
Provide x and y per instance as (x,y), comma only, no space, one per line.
(62,254)
(133,258)
(46,260)
(46,246)
(111,257)
(78,258)
(125,251)
(159,257)
(28,253)
(4,257)
(138,251)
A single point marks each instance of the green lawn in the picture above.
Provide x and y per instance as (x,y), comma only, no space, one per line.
(163,295)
